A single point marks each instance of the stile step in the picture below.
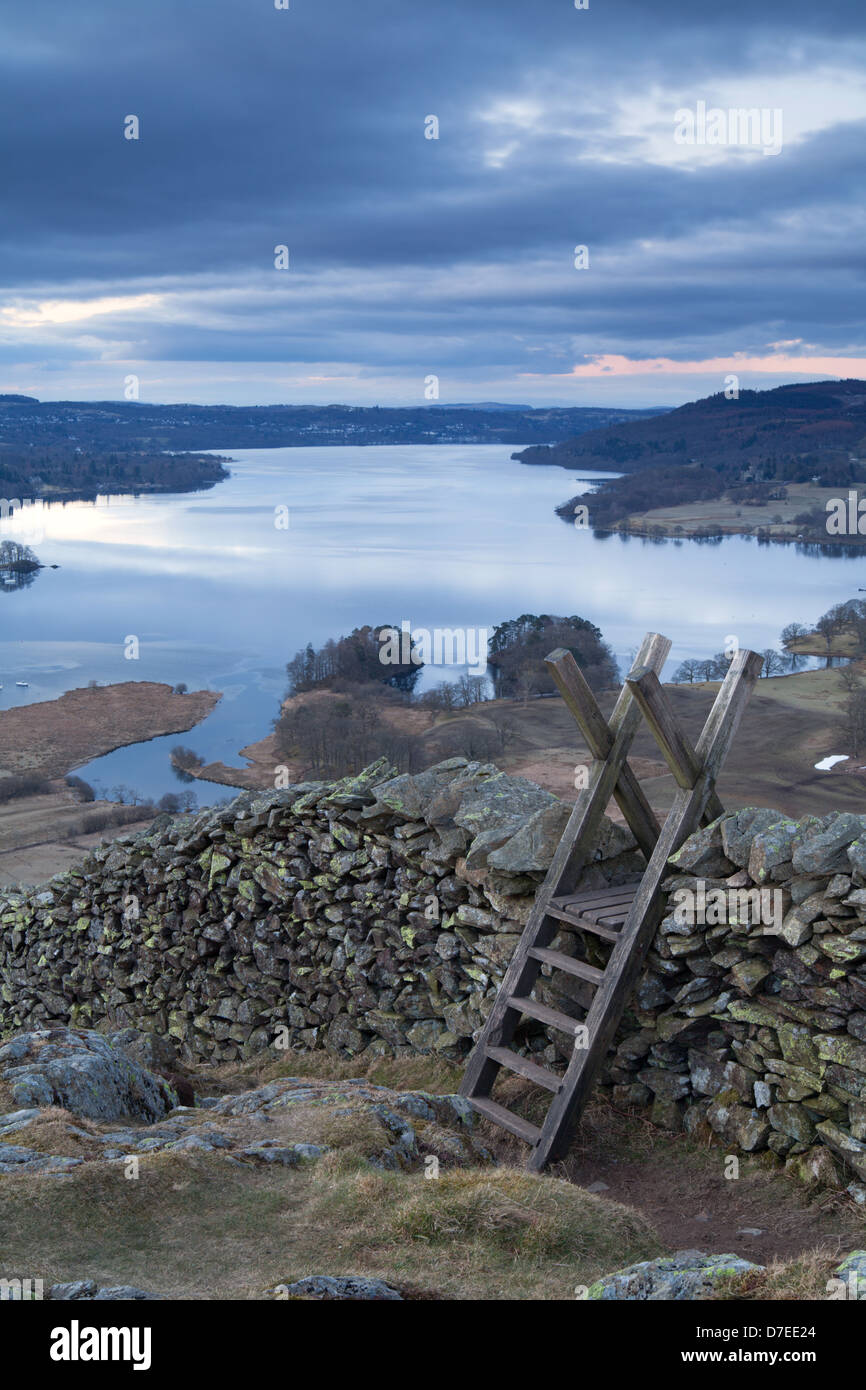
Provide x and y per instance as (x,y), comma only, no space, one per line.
(559,961)
(524,1067)
(552,1017)
(582,923)
(505,1119)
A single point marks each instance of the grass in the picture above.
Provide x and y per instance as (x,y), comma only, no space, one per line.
(478,1234)
(804,1278)
(417,1073)
(192,1226)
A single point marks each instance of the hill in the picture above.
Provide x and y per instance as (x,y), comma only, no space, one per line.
(136,425)
(746,451)
(791,432)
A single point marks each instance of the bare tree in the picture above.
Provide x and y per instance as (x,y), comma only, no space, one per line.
(774,662)
(793,632)
(527,682)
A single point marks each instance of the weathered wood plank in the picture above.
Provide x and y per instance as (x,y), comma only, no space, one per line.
(491,1110)
(627,792)
(578,923)
(676,748)
(563,1023)
(569,965)
(611,897)
(524,1066)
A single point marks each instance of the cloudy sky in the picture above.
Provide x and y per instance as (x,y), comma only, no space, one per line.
(730,251)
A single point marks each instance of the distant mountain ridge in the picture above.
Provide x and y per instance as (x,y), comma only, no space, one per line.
(823,420)
(140,426)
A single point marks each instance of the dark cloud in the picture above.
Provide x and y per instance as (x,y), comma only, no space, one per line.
(305,127)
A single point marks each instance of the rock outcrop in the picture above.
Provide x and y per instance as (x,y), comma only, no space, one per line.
(82,1072)
(689,1274)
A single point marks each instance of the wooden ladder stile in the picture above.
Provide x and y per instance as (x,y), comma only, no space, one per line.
(610,775)
(626,917)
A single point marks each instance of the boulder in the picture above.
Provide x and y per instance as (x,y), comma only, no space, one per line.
(350,1287)
(686,1275)
(82,1072)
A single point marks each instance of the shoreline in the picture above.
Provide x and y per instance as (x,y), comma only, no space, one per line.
(50,738)
(46,829)
(716,518)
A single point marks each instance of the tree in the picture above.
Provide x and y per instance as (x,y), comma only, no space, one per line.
(774,662)
(17,557)
(526,682)
(849,677)
(721,662)
(442,696)
(184,761)
(793,632)
(84,789)
(687,671)
(529,639)
(831,624)
(471,690)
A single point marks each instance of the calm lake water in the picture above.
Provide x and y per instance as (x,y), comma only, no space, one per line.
(440,536)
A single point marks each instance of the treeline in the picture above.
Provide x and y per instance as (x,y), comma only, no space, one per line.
(103,425)
(843,619)
(788,434)
(643,491)
(67,471)
(715,668)
(365,710)
(129,805)
(354,660)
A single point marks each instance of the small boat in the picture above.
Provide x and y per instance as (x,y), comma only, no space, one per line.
(24,683)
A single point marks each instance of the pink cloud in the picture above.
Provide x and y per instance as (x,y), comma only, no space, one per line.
(779,364)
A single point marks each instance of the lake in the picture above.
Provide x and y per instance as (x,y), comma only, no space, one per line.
(437,535)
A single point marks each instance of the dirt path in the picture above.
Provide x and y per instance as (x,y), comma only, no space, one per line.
(678,1183)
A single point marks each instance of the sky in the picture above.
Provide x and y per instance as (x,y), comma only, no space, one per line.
(432,167)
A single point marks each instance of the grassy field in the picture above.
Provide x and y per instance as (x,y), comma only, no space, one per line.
(776,517)
(791,723)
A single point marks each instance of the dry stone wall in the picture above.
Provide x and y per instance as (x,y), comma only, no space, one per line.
(754,1014)
(376,915)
